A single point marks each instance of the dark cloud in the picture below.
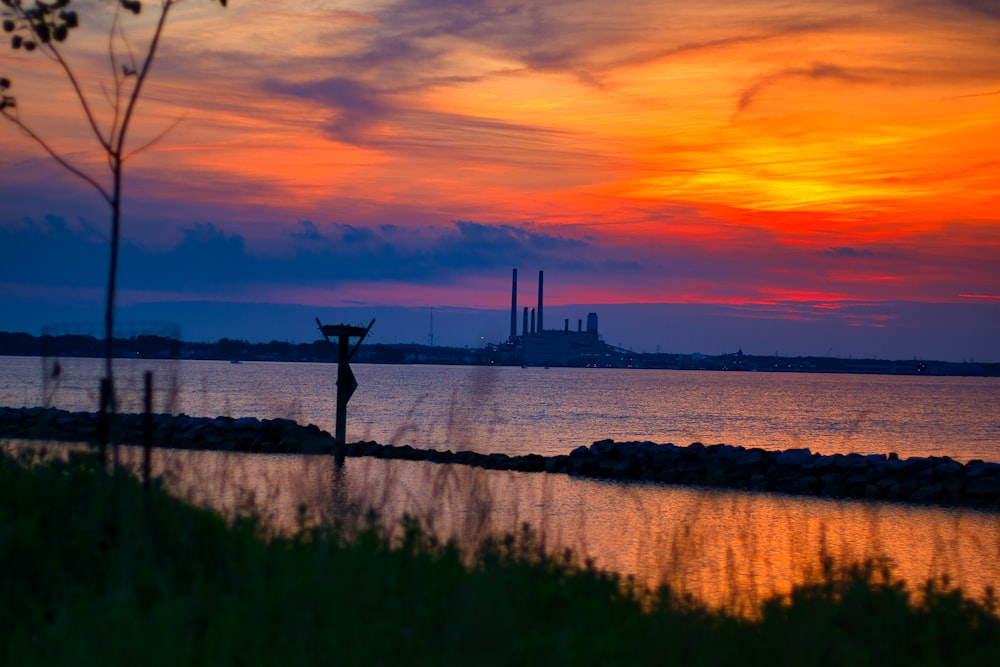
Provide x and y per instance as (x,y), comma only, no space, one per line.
(384,118)
(987,8)
(308,232)
(819,71)
(845,251)
(211,261)
(356,105)
(52,252)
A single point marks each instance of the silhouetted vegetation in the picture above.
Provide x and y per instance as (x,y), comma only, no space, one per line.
(92,574)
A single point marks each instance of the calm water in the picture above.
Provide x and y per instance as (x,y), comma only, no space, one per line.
(551,411)
(725,546)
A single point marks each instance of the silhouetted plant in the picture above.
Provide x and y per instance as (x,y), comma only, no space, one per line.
(42,26)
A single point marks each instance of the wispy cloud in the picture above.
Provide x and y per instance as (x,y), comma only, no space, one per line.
(725,152)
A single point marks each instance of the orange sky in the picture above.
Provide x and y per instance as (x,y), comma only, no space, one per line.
(820,151)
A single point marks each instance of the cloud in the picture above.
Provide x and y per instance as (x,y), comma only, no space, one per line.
(845,251)
(308,232)
(819,71)
(52,252)
(356,105)
(987,8)
(212,261)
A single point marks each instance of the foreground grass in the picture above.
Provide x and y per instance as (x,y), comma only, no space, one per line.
(92,574)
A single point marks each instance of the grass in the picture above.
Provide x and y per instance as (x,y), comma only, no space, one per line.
(93,573)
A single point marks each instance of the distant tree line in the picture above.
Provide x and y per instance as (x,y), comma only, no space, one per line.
(163,347)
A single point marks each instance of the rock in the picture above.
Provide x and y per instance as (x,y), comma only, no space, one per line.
(983,486)
(248,423)
(662,457)
(794,457)
(556,464)
(930,493)
(615,468)
(530,463)
(931,479)
(602,447)
(975,469)
(626,449)
(948,466)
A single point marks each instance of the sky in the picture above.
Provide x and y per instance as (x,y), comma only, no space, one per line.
(803,178)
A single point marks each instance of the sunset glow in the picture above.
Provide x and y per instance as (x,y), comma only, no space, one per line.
(753,152)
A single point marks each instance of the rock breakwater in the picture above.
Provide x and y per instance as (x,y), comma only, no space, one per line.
(923,480)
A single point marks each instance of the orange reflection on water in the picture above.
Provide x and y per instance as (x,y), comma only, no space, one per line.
(725,548)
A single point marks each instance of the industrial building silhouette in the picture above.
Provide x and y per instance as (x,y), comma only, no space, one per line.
(538,346)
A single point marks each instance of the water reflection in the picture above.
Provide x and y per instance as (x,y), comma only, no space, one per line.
(724,547)
(552,411)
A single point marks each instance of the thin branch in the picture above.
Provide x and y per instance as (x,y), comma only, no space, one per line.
(116,102)
(141,75)
(58,158)
(128,46)
(105,143)
(156,139)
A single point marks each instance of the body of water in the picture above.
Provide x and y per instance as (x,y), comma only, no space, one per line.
(550,411)
(727,547)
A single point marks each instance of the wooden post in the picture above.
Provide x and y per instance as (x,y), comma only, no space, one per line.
(104,422)
(147,434)
(346,383)
(345,386)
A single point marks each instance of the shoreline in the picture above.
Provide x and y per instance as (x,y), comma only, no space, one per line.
(933,480)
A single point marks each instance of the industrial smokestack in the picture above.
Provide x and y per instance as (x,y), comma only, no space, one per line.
(532,321)
(513,308)
(540,276)
(524,329)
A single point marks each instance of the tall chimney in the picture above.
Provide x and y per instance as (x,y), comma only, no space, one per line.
(540,276)
(513,308)
(532,321)
(524,329)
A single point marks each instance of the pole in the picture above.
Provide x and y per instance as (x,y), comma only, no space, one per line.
(346,382)
(104,422)
(344,389)
(147,434)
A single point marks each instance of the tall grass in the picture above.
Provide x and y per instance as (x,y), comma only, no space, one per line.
(90,573)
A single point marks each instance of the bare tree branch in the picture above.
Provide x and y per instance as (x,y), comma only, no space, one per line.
(142,74)
(155,139)
(58,158)
(84,104)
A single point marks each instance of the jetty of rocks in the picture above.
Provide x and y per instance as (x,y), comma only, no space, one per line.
(923,480)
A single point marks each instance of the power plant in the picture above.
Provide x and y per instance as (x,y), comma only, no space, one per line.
(538,346)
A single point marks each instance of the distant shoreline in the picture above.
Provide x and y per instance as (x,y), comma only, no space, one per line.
(158,347)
